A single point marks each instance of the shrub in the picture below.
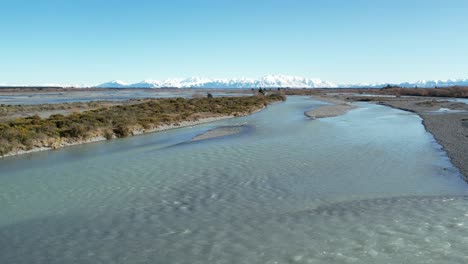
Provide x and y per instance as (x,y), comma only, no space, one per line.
(121,131)
(5,146)
(108,133)
(76,130)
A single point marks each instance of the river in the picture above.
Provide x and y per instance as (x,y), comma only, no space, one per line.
(371,186)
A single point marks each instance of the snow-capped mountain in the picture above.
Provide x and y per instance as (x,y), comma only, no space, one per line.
(436,83)
(268,81)
(113,84)
(418,84)
(292,81)
(271,81)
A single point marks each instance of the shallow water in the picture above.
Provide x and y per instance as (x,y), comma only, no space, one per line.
(370,186)
(459,100)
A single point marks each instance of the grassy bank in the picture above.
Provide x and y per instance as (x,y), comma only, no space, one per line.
(23,134)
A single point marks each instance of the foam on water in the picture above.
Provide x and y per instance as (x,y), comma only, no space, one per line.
(351,189)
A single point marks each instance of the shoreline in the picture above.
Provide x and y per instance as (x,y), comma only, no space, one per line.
(138,132)
(338,107)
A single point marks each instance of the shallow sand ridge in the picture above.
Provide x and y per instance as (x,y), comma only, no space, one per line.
(339,107)
(219,132)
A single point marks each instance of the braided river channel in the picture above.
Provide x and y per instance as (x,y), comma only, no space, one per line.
(370,186)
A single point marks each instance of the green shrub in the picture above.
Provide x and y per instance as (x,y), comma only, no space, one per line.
(76,130)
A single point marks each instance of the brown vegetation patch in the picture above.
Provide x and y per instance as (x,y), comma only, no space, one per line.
(119,120)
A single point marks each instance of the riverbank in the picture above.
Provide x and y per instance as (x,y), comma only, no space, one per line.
(31,134)
(63,144)
(339,107)
(445,119)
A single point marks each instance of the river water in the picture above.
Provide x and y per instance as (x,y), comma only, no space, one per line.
(371,186)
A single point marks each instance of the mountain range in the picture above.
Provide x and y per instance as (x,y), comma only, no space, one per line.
(267,81)
(271,81)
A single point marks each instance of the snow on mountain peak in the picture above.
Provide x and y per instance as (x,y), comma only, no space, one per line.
(113,84)
(269,81)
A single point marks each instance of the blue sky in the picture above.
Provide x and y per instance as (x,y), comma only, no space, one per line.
(91,41)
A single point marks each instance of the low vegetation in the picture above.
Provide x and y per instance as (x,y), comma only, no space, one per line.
(455,91)
(120,120)
(460,92)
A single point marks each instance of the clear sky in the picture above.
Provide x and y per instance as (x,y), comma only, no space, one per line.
(92,41)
